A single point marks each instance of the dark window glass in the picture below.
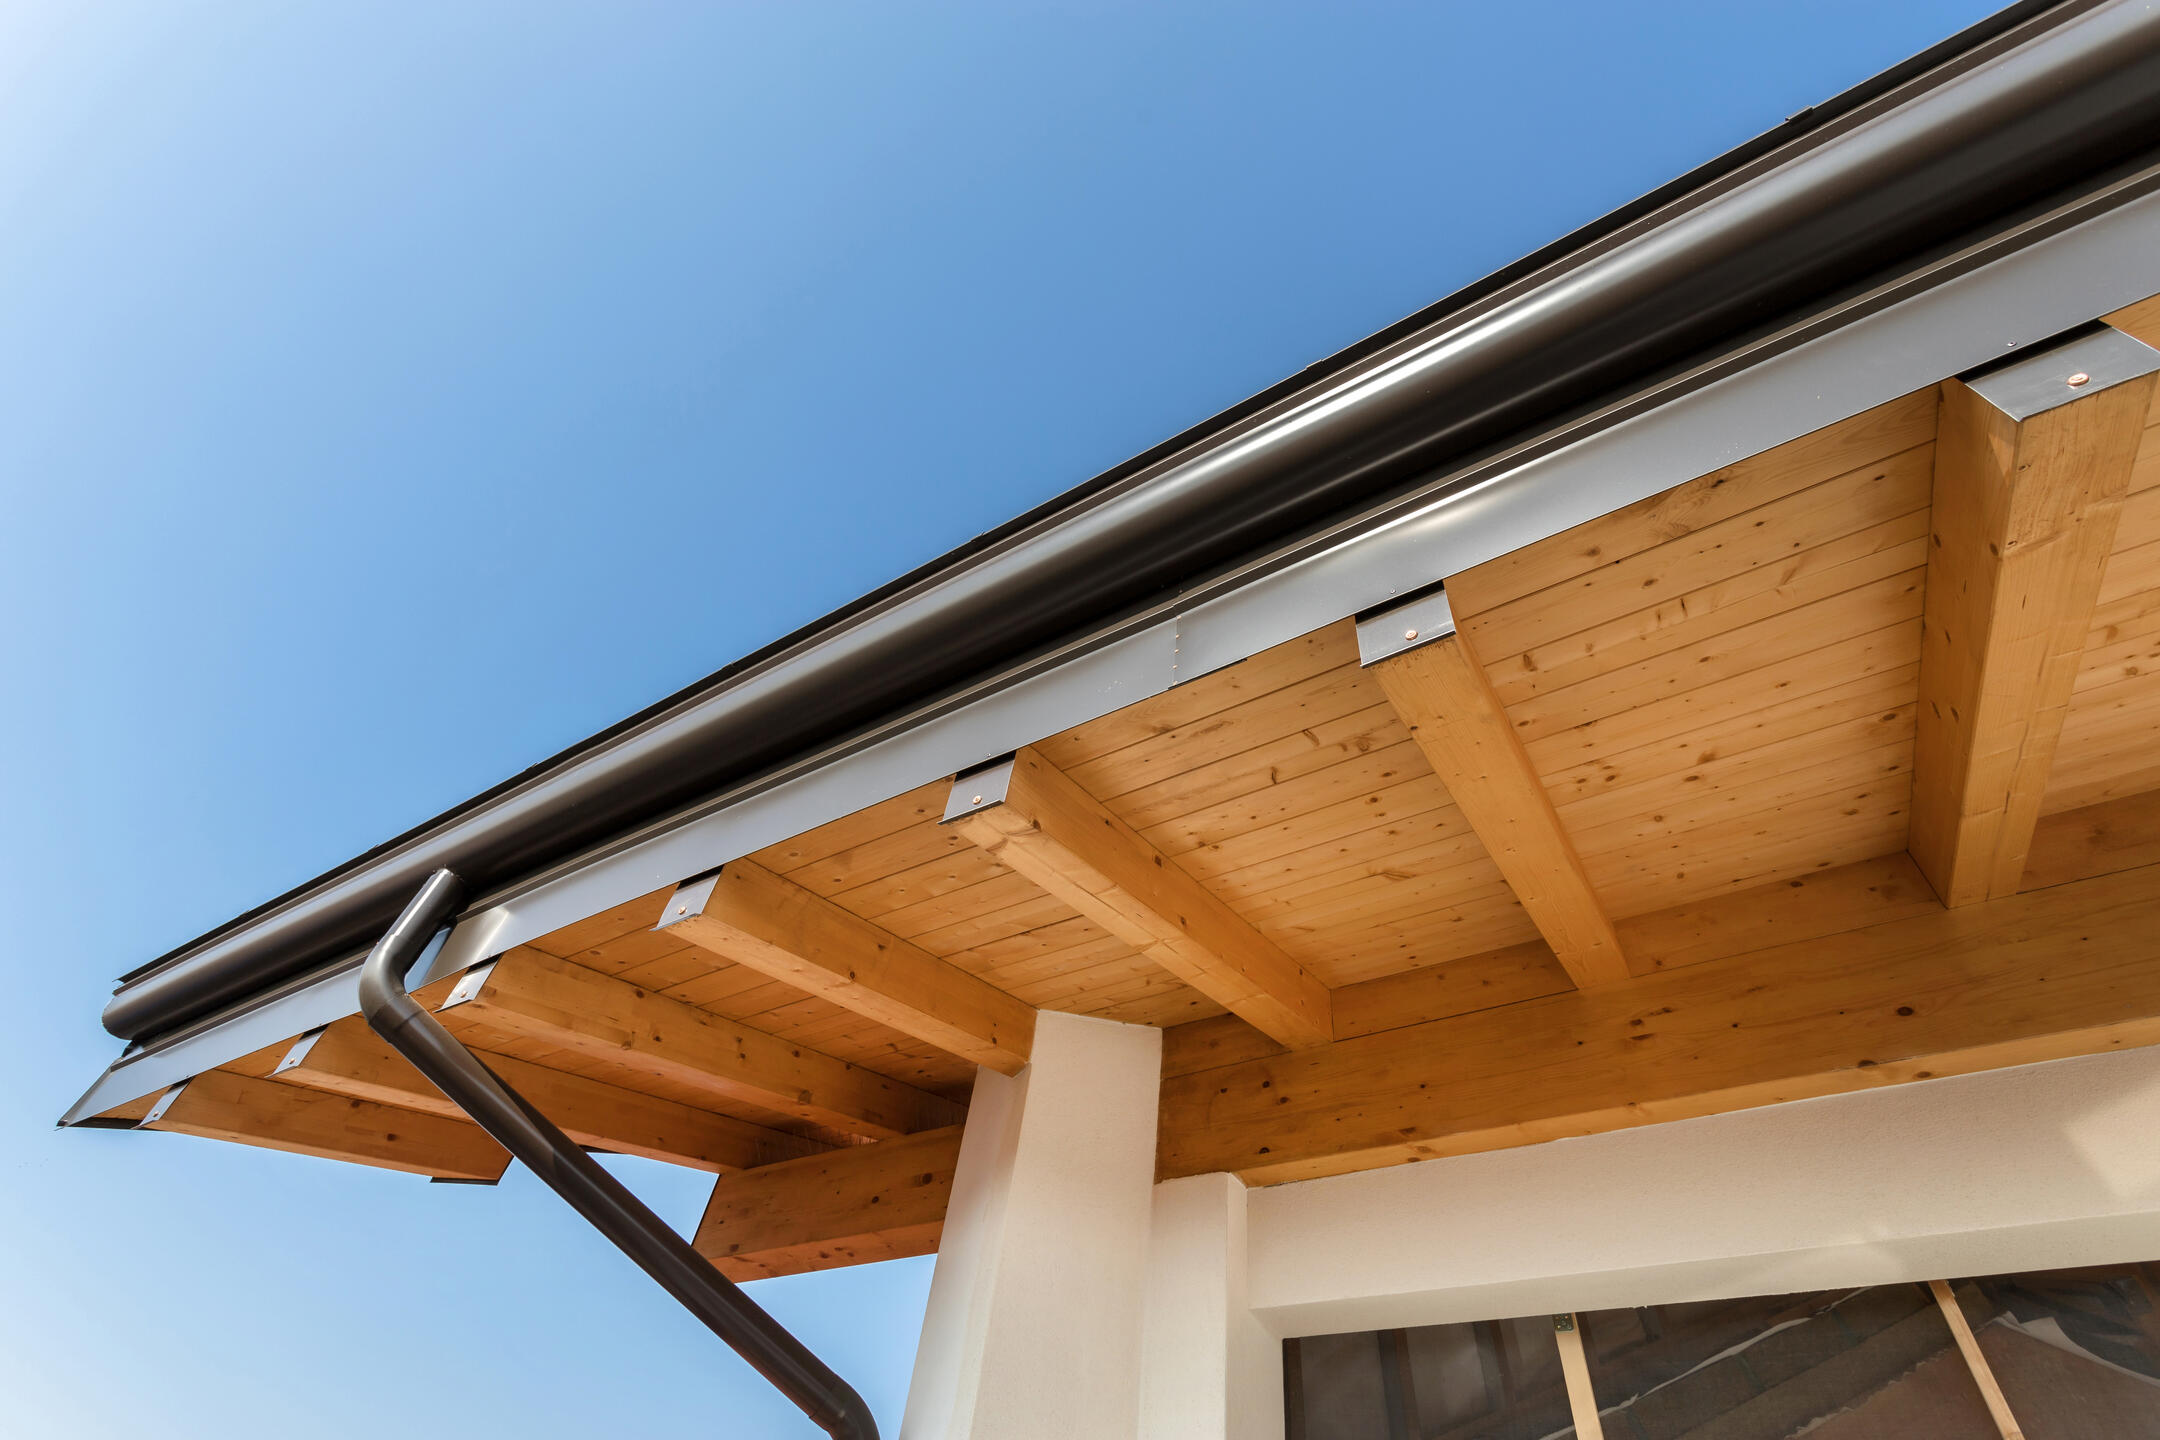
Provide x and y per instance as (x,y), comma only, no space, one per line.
(2076,1352)
(1872,1364)
(1489,1380)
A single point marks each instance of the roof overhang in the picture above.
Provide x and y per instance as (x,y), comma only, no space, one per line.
(2037,268)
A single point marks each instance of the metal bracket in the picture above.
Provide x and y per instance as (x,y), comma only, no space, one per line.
(2044,377)
(299,1051)
(980,788)
(689,899)
(1417,621)
(1563,1324)
(470,984)
(164,1103)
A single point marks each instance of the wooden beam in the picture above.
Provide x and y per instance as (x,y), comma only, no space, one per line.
(2057,972)
(1441,693)
(750,916)
(219,1105)
(1813,907)
(2099,839)
(348,1058)
(2024,514)
(1031,817)
(849,1207)
(535,995)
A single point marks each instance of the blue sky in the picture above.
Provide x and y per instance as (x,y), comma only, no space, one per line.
(393,395)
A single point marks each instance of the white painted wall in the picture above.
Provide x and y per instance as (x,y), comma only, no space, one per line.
(2028,1168)
(1209,1367)
(1075,1299)
(1035,1314)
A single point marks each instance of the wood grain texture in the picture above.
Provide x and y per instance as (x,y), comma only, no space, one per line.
(2022,528)
(759,920)
(864,1203)
(1817,906)
(1441,693)
(1062,839)
(219,1105)
(637,1032)
(2058,972)
(2100,839)
(349,1059)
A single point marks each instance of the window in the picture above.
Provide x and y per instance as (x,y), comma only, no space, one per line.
(2065,1355)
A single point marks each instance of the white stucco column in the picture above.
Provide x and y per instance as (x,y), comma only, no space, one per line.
(1037,1305)
(1209,1369)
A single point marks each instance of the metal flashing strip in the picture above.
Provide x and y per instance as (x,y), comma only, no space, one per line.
(2055,272)
(2035,383)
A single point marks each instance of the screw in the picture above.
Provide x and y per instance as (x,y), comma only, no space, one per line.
(2081,378)
(1409,634)
(682,909)
(976,801)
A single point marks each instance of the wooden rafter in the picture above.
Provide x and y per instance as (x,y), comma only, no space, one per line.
(2054,973)
(755,918)
(349,1059)
(1034,819)
(531,994)
(1828,903)
(219,1105)
(863,1203)
(2029,482)
(1442,695)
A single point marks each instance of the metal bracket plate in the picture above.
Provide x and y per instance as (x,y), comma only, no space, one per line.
(980,788)
(469,985)
(1419,620)
(299,1051)
(164,1103)
(2035,381)
(689,899)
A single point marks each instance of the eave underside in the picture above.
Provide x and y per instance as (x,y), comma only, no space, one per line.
(1719,690)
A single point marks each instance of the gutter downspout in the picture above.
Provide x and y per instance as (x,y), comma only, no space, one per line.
(830,1402)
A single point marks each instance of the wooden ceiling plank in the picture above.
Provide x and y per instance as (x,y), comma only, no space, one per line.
(2099,839)
(349,1059)
(1774,544)
(1779,723)
(2023,524)
(1732,700)
(867,1202)
(1287,803)
(750,916)
(629,1029)
(1045,827)
(1695,618)
(1791,641)
(1328,648)
(2058,972)
(1442,694)
(219,1105)
(1869,436)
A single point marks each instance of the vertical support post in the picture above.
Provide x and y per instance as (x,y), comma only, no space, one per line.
(1983,1374)
(1038,1302)
(1209,1367)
